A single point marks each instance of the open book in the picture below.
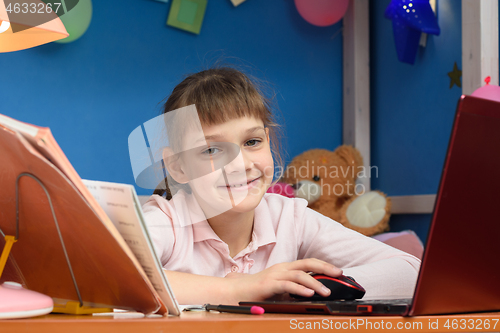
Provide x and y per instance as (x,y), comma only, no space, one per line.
(97,241)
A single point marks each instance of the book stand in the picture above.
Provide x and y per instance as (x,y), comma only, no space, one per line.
(71,307)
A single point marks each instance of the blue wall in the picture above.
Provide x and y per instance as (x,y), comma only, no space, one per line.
(93,92)
(412,108)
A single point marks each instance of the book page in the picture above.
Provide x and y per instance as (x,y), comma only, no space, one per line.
(120,203)
(41,138)
(24,128)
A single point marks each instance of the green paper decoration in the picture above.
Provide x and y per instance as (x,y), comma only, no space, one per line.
(187,15)
(76,21)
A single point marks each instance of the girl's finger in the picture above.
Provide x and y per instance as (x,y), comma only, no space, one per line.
(306,281)
(293,288)
(315,266)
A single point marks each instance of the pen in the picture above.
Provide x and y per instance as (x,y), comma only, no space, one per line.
(235,309)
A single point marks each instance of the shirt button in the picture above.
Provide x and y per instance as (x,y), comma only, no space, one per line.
(234,268)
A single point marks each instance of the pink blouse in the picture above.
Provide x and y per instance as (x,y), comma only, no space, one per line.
(284,230)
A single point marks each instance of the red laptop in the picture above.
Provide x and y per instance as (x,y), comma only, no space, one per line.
(460,270)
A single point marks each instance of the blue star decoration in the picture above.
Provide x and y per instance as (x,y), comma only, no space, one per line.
(409,19)
(455,76)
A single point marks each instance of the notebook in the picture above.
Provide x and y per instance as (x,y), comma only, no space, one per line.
(460,271)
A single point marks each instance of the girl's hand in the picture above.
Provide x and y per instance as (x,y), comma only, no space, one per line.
(282,278)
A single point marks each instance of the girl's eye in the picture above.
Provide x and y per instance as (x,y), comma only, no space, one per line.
(210,151)
(252,142)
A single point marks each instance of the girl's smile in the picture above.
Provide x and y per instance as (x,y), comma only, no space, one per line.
(241,186)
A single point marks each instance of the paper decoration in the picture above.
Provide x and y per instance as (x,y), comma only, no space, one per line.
(455,76)
(77,21)
(19,31)
(410,18)
(187,14)
(322,13)
(237,2)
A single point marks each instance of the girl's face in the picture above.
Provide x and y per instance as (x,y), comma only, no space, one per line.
(231,166)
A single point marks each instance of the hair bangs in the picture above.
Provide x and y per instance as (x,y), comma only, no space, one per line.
(218,101)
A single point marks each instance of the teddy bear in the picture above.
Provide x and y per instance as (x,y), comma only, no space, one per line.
(327,180)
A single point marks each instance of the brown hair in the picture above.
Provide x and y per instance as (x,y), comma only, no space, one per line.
(222,94)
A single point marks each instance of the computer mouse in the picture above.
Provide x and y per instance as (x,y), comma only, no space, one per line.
(342,287)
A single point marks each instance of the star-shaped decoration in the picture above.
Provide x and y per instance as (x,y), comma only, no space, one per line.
(409,19)
(455,76)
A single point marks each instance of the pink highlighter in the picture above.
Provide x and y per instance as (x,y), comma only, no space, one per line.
(256,310)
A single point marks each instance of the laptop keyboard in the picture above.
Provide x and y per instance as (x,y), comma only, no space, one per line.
(403,301)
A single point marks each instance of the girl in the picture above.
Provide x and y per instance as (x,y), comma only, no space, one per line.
(248,245)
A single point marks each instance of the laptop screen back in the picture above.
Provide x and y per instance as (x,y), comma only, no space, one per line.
(461,264)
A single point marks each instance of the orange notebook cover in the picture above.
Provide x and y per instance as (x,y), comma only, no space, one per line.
(106,271)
